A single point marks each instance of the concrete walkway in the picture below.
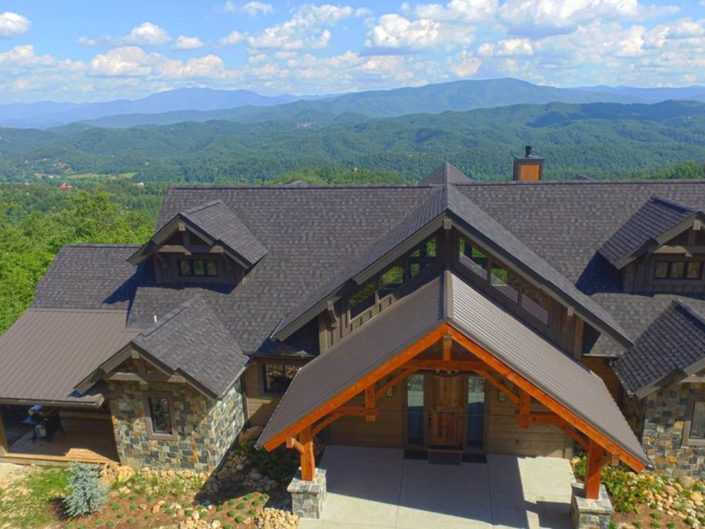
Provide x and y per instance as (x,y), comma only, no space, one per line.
(377,488)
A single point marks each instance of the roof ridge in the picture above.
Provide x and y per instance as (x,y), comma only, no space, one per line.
(688,310)
(671,203)
(171,315)
(201,207)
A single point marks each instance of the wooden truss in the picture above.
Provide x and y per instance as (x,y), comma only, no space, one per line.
(518,390)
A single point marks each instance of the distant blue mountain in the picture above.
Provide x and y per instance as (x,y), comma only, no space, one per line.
(206,104)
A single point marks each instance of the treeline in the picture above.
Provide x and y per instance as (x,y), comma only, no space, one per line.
(600,140)
(36,220)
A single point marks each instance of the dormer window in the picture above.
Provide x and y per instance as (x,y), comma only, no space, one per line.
(198,267)
(678,270)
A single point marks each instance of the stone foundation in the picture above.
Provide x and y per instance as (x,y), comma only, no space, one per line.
(204,428)
(662,437)
(590,514)
(308,497)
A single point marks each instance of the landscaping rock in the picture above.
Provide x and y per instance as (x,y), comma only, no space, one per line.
(686,481)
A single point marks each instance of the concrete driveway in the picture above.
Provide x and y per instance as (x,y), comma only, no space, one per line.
(377,488)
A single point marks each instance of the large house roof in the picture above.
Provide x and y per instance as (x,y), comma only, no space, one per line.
(449,299)
(47,352)
(312,234)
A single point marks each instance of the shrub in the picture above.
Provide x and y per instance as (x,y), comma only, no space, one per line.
(86,492)
(280,464)
(239,519)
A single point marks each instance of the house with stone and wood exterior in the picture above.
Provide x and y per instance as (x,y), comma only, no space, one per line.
(447,318)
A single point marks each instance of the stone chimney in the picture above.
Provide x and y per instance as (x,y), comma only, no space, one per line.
(529,167)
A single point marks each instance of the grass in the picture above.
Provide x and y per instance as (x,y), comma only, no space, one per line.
(30,502)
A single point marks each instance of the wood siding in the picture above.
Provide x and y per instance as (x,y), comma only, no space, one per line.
(639,276)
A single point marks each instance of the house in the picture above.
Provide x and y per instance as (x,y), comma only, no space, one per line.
(450,317)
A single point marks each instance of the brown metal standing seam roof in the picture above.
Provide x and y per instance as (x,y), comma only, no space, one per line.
(449,299)
(48,351)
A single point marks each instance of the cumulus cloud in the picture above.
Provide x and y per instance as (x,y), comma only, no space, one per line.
(306,29)
(234,37)
(396,31)
(13,24)
(251,8)
(458,10)
(188,43)
(146,34)
(465,65)
(507,48)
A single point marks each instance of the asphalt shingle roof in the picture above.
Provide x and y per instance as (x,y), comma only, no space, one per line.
(655,218)
(192,340)
(446,174)
(672,344)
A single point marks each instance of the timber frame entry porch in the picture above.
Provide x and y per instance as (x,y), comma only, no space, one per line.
(600,450)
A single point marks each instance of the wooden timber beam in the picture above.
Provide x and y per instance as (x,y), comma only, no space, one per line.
(447,348)
(499,385)
(308,461)
(352,411)
(555,420)
(545,399)
(355,389)
(394,381)
(523,417)
(452,365)
(4,446)
(370,401)
(595,461)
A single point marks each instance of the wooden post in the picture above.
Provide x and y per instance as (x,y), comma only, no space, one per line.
(524,416)
(4,447)
(370,415)
(595,461)
(447,348)
(308,461)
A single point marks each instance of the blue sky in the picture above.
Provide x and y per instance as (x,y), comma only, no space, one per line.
(92,51)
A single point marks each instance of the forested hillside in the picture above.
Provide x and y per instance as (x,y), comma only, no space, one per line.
(602,140)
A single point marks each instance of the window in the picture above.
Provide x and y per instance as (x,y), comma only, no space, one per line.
(198,267)
(392,278)
(690,270)
(694,431)
(504,281)
(535,303)
(160,415)
(363,299)
(277,377)
(472,257)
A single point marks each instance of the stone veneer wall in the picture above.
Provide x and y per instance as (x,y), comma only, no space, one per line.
(664,420)
(205,428)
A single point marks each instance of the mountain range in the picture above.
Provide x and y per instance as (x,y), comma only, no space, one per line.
(205,104)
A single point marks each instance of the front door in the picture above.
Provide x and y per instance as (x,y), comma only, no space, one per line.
(446,407)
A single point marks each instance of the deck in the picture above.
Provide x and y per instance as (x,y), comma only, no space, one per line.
(83,440)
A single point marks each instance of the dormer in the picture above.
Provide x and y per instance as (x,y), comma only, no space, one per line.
(661,248)
(205,244)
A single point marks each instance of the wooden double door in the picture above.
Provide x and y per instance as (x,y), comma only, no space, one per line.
(453,411)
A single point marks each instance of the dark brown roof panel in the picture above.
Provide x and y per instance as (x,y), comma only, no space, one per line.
(446,174)
(48,351)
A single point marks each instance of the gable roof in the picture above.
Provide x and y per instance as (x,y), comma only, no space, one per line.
(48,351)
(449,299)
(217,222)
(444,174)
(657,221)
(193,341)
(426,219)
(671,348)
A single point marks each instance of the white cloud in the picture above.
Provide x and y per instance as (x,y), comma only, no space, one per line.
(123,61)
(306,29)
(397,32)
(147,34)
(24,56)
(458,10)
(234,37)
(254,8)
(562,13)
(251,8)
(13,24)
(466,65)
(507,48)
(188,43)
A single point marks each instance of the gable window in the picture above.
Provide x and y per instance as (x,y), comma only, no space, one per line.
(689,270)
(472,257)
(694,431)
(504,281)
(198,267)
(277,377)
(160,415)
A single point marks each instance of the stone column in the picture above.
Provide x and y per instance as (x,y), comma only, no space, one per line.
(308,497)
(590,514)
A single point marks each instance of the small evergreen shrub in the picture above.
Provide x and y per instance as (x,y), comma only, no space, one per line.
(86,492)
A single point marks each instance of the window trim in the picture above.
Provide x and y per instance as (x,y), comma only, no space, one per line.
(687,441)
(205,261)
(160,436)
(676,280)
